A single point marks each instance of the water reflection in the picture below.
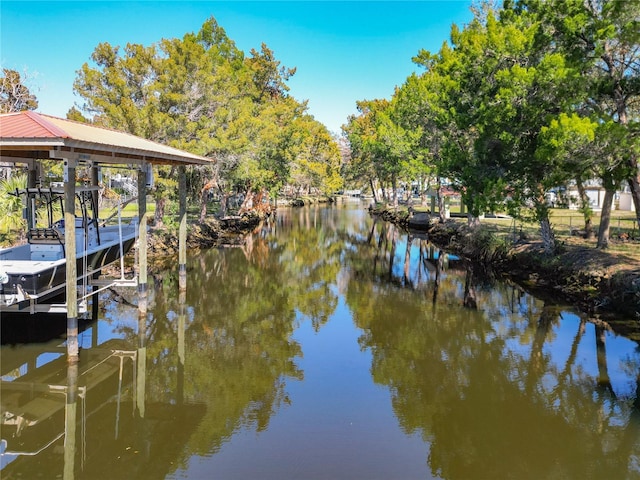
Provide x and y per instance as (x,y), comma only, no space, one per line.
(250,372)
(63,414)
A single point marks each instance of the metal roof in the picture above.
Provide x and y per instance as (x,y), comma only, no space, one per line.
(26,136)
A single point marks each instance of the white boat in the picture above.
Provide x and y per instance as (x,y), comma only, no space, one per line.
(33,275)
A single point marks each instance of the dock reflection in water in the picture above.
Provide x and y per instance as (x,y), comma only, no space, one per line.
(329,346)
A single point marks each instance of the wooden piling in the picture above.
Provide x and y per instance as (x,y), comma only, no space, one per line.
(70,249)
(182,234)
(142,240)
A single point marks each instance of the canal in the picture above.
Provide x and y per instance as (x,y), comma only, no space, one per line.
(328,346)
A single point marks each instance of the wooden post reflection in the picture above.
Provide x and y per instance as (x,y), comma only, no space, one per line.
(182,314)
(392,254)
(70,421)
(141,374)
(439,268)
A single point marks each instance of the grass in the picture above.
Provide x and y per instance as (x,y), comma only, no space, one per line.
(563,222)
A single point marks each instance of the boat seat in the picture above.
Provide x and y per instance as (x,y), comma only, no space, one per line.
(46,236)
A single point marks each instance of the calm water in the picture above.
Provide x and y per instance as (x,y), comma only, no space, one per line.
(328,347)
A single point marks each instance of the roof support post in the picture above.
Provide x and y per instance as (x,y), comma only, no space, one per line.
(142,239)
(71,266)
(182,233)
(94,183)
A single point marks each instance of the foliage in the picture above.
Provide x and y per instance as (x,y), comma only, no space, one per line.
(14,94)
(11,205)
(202,94)
(525,99)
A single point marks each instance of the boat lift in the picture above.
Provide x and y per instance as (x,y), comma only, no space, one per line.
(27,138)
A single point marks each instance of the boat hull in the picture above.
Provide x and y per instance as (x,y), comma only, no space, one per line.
(44,280)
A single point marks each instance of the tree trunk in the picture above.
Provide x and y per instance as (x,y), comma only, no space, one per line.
(605,219)
(373,190)
(385,199)
(224,203)
(161,202)
(247,202)
(441,207)
(473,221)
(634,185)
(548,237)
(203,204)
(394,192)
(585,209)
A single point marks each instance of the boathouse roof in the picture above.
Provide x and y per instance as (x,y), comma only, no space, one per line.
(28,135)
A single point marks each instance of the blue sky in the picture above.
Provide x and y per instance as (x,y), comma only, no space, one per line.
(343,51)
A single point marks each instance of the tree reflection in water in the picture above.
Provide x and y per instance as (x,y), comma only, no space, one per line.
(487,380)
(487,388)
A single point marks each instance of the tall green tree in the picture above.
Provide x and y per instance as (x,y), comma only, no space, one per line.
(379,138)
(572,139)
(601,39)
(419,106)
(358,129)
(317,164)
(201,94)
(512,87)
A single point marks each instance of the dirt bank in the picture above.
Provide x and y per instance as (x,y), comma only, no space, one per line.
(210,233)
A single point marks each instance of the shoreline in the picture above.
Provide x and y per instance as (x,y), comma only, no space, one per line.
(594,281)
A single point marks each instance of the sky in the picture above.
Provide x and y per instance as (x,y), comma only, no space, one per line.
(343,51)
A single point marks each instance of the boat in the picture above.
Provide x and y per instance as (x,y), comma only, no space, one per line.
(33,275)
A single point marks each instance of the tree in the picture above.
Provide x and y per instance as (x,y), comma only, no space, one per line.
(419,106)
(571,138)
(512,87)
(317,164)
(201,94)
(601,39)
(357,130)
(381,147)
(14,95)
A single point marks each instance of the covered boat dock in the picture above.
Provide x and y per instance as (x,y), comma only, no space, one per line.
(27,138)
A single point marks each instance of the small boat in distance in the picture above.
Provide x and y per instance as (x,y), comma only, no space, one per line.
(33,275)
